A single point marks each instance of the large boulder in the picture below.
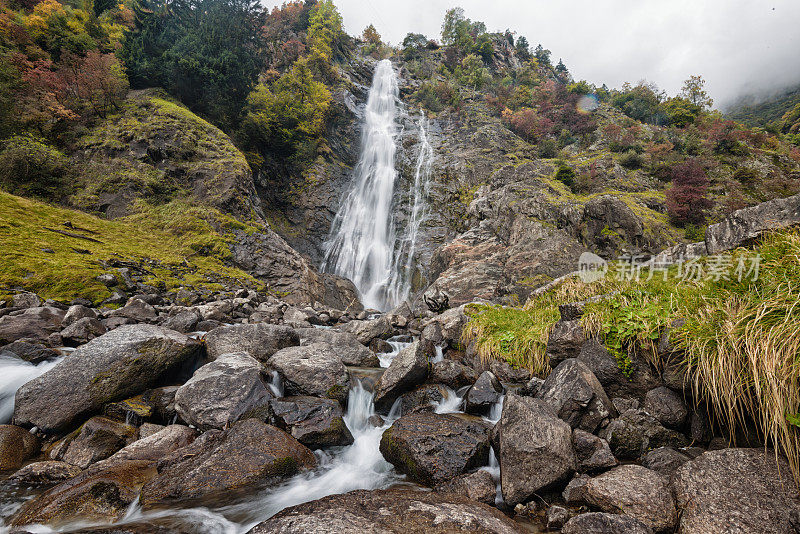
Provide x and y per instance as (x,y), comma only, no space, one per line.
(313,370)
(82,331)
(259,340)
(422,399)
(635,491)
(137,310)
(248,455)
(564,341)
(97,496)
(746,491)
(484,394)
(407,370)
(743,226)
(114,366)
(576,395)
(366,331)
(452,374)
(153,447)
(221,392)
(432,448)
(535,448)
(390,512)
(36,324)
(347,346)
(30,352)
(478,486)
(635,432)
(44,473)
(451,324)
(666,406)
(98,439)
(594,454)
(314,422)
(636,384)
(599,523)
(16,446)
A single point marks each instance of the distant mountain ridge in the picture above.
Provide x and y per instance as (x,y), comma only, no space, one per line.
(754,112)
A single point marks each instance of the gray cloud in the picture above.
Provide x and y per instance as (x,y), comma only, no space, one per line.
(739,46)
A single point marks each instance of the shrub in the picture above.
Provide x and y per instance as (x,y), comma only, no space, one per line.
(28,167)
(548,148)
(686,200)
(631,160)
(745,174)
(566,175)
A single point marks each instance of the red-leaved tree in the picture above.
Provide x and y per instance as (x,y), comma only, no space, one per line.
(687,202)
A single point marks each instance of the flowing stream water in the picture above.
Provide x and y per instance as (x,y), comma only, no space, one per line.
(15,373)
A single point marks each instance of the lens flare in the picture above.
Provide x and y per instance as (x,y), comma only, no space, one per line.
(588,103)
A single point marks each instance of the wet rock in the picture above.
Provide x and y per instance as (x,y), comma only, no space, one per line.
(557,517)
(260,340)
(390,512)
(593,452)
(598,523)
(366,331)
(736,490)
(478,486)
(77,312)
(576,396)
(313,370)
(507,373)
(33,324)
(247,456)
(112,367)
(637,492)
(574,493)
(16,446)
(30,352)
(153,447)
(44,473)
(148,429)
(451,324)
(486,392)
(379,346)
(432,448)
(531,387)
(345,344)
(98,439)
(408,369)
(664,460)
(535,448)
(314,422)
(98,496)
(605,368)
(452,374)
(185,320)
(221,392)
(564,341)
(137,310)
(666,406)
(82,331)
(635,432)
(422,399)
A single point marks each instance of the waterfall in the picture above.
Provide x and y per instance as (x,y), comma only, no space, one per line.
(363,244)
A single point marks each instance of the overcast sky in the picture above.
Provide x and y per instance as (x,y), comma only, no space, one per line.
(739,46)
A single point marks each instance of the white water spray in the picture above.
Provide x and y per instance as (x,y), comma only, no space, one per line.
(15,373)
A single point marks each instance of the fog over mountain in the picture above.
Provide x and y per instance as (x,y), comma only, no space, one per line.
(739,46)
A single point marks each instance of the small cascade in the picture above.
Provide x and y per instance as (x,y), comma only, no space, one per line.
(496,411)
(15,373)
(276,384)
(494,469)
(451,402)
(397,344)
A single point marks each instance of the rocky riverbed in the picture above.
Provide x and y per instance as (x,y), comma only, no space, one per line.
(242,413)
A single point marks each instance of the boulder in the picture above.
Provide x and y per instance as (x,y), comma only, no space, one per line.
(575,490)
(599,523)
(451,324)
(635,491)
(422,399)
(114,366)
(82,331)
(744,226)
(26,299)
(594,454)
(531,387)
(557,517)
(635,432)
(137,310)
(478,486)
(564,341)
(344,344)
(576,395)
(664,460)
(259,340)
(314,422)
(248,455)
(736,490)
(77,312)
(604,366)
(16,446)
(153,447)
(98,439)
(366,331)
(390,512)
(30,352)
(534,448)
(184,320)
(666,406)
(96,496)
(407,370)
(313,370)
(452,374)
(485,393)
(221,392)
(44,473)
(32,324)
(432,448)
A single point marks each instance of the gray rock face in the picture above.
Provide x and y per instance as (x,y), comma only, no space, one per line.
(26,299)
(16,446)
(605,368)
(248,455)
(664,460)
(137,310)
(389,512)
(666,406)
(112,367)
(452,374)
(593,453)
(565,341)
(313,370)
(743,226)
(259,340)
(598,523)
(451,324)
(407,370)
(366,331)
(345,344)
(35,324)
(44,473)
(153,447)
(98,439)
(635,432)
(421,399)
(82,331)
(30,352)
(221,392)
(576,395)
(637,492)
(312,421)
(76,312)
(557,517)
(736,490)
(184,320)
(432,448)
(535,448)
(486,391)
(478,486)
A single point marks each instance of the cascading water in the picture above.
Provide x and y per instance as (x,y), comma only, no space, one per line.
(15,373)
(363,244)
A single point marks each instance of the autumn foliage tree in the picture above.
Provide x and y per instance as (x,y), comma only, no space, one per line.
(687,202)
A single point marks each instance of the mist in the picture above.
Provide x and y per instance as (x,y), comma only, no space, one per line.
(740,47)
